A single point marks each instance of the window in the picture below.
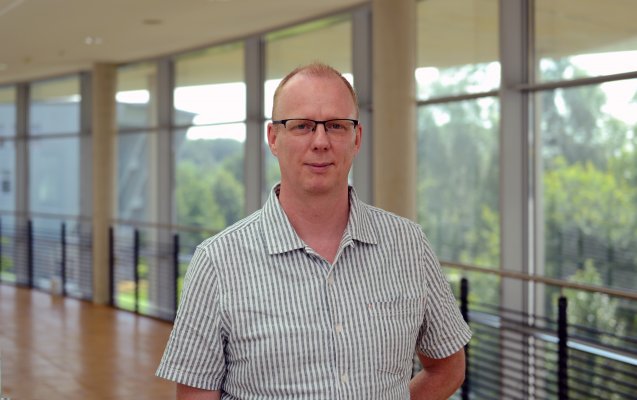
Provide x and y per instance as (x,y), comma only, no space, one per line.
(209,110)
(576,39)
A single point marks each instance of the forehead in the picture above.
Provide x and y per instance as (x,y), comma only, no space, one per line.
(312,91)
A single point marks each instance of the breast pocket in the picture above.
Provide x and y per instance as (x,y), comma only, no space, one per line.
(395,323)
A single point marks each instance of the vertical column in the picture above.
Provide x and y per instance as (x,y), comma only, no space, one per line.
(79,258)
(362,69)
(22,203)
(394,117)
(161,189)
(253,150)
(514,190)
(104,85)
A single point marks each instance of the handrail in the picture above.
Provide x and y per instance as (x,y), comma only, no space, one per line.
(543,279)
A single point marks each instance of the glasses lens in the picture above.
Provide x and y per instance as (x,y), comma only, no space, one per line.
(339,125)
(300,125)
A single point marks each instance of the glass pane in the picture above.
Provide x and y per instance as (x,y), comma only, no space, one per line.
(209,190)
(457,47)
(7,112)
(137,96)
(458,180)
(7,175)
(576,39)
(134,167)
(55,106)
(328,40)
(210,86)
(589,182)
(54,176)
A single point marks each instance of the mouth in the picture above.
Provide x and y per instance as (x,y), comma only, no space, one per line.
(319,166)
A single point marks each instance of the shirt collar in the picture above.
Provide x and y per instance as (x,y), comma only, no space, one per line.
(280,236)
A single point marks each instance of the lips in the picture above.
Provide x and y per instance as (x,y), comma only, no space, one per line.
(319,166)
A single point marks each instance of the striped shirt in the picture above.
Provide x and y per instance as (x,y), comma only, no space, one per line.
(263,316)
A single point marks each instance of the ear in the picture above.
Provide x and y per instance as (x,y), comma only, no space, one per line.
(358,138)
(272,137)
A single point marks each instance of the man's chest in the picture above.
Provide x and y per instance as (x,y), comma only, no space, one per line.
(306,321)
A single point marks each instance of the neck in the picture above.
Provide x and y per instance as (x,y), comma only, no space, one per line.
(318,219)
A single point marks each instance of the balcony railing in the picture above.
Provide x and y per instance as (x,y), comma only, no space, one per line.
(515,353)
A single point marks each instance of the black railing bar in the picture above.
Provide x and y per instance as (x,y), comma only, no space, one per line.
(588,384)
(579,328)
(167,227)
(585,361)
(627,347)
(607,378)
(501,387)
(631,295)
(486,380)
(593,348)
(517,312)
(487,392)
(506,371)
(534,359)
(484,392)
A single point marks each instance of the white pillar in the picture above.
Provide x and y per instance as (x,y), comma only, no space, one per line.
(104,129)
(394,108)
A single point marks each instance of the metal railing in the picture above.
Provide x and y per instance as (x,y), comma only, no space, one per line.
(513,354)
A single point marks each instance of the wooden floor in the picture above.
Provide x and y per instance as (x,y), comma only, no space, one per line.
(58,348)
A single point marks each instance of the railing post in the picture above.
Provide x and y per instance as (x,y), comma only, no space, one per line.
(562,349)
(176,272)
(136,268)
(63,261)
(111,267)
(30,254)
(464,309)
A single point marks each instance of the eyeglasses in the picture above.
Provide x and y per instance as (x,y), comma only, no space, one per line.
(337,128)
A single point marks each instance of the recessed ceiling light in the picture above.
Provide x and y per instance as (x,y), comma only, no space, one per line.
(91,40)
(152,21)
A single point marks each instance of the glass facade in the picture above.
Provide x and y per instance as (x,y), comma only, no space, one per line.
(54,107)
(457,49)
(137,96)
(577,39)
(210,111)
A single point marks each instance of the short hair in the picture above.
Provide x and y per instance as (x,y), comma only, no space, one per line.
(315,69)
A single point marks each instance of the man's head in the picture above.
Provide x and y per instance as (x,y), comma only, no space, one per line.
(317,70)
(314,158)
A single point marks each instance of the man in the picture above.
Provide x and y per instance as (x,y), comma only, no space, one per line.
(317,295)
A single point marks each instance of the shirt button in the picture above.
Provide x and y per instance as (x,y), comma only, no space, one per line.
(330,280)
(344,378)
(339,328)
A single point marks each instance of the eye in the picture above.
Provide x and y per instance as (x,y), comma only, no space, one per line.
(300,125)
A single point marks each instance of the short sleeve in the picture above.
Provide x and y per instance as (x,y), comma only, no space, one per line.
(194,355)
(444,331)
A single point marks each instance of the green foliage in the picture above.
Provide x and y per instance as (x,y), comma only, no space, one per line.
(593,310)
(209,187)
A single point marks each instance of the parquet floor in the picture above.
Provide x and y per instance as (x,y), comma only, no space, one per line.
(58,348)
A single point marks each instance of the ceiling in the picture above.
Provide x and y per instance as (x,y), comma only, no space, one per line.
(44,38)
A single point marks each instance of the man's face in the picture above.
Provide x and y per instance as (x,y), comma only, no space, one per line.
(316,163)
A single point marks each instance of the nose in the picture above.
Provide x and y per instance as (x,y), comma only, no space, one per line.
(320,140)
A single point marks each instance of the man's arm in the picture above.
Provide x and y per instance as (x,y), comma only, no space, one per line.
(190,393)
(439,379)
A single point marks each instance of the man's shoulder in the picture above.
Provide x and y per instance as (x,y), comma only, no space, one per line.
(389,219)
(242,230)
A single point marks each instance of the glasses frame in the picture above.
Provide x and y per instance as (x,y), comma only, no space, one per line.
(317,123)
